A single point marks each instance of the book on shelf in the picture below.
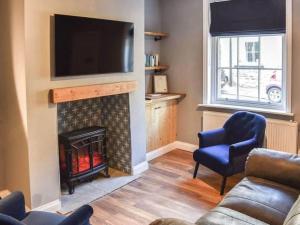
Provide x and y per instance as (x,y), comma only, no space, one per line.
(151,60)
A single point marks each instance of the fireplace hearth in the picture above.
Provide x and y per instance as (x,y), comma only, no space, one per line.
(82,155)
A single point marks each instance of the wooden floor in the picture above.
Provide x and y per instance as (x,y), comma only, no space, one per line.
(165,190)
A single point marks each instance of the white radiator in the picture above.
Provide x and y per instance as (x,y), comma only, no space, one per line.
(280,135)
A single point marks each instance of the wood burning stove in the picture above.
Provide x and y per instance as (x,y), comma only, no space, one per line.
(82,155)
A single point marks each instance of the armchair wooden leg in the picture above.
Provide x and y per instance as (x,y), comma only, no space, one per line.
(223,185)
(196,170)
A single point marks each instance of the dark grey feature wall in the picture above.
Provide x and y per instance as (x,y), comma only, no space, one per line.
(182,50)
(111,112)
(153,23)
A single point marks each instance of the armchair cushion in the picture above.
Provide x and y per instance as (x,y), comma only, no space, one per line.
(12,212)
(13,205)
(80,217)
(45,218)
(8,220)
(214,157)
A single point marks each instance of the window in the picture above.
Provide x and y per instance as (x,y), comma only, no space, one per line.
(252,51)
(249,70)
(247,53)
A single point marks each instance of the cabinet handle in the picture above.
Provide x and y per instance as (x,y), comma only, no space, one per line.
(157,108)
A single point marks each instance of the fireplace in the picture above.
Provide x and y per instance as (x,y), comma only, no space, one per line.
(82,155)
(108,117)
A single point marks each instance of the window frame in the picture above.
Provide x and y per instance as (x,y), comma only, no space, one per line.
(246,103)
(208,64)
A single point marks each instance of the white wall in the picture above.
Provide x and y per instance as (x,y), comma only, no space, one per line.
(14,167)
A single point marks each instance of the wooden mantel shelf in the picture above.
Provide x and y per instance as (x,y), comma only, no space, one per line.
(60,95)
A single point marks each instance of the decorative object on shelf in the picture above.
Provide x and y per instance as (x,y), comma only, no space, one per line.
(160,84)
(151,60)
(157,35)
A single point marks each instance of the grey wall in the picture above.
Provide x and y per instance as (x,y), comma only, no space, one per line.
(28,122)
(153,22)
(182,50)
(42,116)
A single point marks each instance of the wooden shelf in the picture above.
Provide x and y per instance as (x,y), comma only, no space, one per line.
(164,97)
(157,35)
(162,67)
(68,94)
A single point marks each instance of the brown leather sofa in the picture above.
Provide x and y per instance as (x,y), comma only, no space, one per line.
(267,195)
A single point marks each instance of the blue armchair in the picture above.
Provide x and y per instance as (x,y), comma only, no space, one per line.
(12,212)
(225,150)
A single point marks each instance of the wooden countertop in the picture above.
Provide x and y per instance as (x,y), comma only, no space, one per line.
(165,97)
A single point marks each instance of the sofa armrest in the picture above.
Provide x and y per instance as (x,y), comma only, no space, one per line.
(13,205)
(169,221)
(273,165)
(211,137)
(80,217)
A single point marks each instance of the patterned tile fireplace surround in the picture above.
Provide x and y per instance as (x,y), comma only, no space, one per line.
(111,112)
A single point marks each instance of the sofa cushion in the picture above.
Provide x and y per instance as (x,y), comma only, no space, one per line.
(170,221)
(222,215)
(293,218)
(44,218)
(264,200)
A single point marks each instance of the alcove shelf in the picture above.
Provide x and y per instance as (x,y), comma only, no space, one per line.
(157,68)
(156,35)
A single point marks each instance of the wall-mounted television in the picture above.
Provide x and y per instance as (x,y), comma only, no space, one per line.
(86,46)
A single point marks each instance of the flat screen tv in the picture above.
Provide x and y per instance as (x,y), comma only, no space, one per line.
(92,46)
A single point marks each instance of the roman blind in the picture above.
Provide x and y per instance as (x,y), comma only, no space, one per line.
(238,17)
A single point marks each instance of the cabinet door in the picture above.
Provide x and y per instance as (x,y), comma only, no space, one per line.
(161,124)
(149,127)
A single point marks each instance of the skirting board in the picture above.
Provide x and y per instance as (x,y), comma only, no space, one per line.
(161,151)
(170,147)
(185,146)
(50,207)
(140,168)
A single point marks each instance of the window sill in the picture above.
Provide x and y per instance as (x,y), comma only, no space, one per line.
(268,112)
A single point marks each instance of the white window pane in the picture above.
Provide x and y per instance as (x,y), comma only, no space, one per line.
(224,52)
(271,86)
(248,51)
(234,56)
(249,70)
(248,85)
(271,52)
(227,84)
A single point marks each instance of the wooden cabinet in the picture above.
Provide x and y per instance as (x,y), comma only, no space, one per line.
(161,124)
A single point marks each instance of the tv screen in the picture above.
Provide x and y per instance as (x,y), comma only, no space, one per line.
(92,46)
